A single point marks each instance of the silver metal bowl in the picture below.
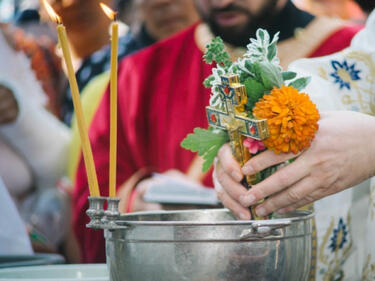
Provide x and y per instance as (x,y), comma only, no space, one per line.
(208,245)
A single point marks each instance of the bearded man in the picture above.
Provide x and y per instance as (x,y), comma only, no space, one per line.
(161,98)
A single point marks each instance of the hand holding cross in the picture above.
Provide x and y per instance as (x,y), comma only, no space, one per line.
(233,119)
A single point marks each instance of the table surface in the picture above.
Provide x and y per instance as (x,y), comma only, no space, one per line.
(82,272)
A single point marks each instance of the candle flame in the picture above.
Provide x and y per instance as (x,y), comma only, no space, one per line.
(51,12)
(108,11)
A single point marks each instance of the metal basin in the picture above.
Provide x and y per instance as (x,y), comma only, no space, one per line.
(209,245)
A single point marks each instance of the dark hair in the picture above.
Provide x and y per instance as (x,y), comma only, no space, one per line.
(366,5)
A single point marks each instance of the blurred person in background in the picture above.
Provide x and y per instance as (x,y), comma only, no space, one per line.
(151,21)
(88,31)
(161,98)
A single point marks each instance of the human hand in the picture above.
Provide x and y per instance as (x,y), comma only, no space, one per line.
(227,176)
(8,106)
(341,155)
(140,190)
(139,204)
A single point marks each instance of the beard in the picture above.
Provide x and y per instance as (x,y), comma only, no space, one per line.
(239,35)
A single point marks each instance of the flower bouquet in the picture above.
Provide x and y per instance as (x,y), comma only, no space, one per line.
(254,105)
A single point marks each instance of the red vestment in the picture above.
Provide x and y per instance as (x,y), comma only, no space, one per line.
(160,100)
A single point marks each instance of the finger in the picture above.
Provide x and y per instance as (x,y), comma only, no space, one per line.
(299,191)
(264,160)
(139,203)
(294,207)
(144,185)
(234,206)
(275,183)
(225,198)
(151,206)
(228,163)
(224,181)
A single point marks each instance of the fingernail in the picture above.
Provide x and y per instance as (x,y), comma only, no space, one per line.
(237,176)
(247,200)
(261,212)
(247,170)
(244,216)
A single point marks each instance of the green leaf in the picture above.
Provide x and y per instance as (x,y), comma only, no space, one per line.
(300,83)
(260,33)
(207,143)
(272,49)
(255,90)
(270,74)
(289,75)
(207,83)
(248,66)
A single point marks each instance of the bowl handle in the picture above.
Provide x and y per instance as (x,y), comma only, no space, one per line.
(260,230)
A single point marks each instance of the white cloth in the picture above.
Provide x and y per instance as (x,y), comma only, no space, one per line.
(13,237)
(17,183)
(36,135)
(345,221)
(15,67)
(41,139)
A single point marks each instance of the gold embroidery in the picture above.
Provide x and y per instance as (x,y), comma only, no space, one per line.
(362,92)
(366,92)
(368,272)
(332,261)
(305,41)
(323,258)
(323,73)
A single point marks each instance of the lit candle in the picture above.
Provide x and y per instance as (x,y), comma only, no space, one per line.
(83,132)
(113,101)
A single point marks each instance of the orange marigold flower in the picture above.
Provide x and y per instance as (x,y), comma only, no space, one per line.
(292,119)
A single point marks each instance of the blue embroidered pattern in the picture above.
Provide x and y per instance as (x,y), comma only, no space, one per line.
(339,236)
(344,74)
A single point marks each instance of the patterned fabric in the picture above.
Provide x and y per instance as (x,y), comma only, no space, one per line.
(99,62)
(346,221)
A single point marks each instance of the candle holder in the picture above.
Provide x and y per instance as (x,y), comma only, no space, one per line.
(95,212)
(112,213)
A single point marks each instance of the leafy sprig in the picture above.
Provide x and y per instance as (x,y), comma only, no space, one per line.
(259,70)
(207,143)
(216,53)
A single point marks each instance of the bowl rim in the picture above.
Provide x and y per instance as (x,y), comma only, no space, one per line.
(304,215)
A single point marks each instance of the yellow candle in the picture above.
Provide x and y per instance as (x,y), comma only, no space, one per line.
(113,116)
(113,101)
(83,132)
